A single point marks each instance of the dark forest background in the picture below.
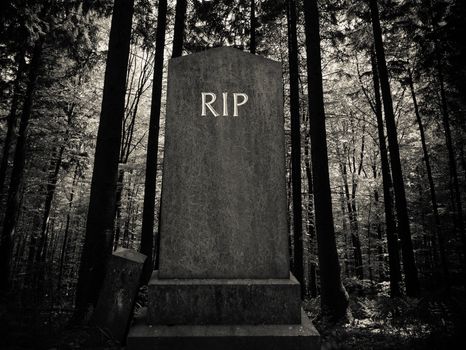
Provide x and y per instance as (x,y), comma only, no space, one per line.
(375,92)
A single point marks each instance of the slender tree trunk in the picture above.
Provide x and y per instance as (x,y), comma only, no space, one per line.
(150,184)
(99,228)
(310,222)
(454,183)
(344,225)
(334,299)
(380,250)
(67,227)
(119,192)
(369,245)
(409,264)
(252,38)
(289,219)
(392,239)
(13,202)
(12,120)
(51,186)
(178,34)
(133,98)
(452,161)
(295,146)
(354,227)
(433,195)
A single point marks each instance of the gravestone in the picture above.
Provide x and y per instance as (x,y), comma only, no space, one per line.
(224,280)
(120,288)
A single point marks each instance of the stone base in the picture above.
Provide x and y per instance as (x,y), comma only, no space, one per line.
(245,337)
(223,301)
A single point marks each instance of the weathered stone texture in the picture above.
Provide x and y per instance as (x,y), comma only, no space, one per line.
(223,197)
(220,301)
(120,288)
(302,336)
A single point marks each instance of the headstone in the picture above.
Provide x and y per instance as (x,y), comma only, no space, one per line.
(224,243)
(120,288)
(224,190)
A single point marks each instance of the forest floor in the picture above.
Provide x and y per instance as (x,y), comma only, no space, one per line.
(437,320)
(434,321)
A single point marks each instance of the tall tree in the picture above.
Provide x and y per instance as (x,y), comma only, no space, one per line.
(334,299)
(138,81)
(67,224)
(178,32)
(409,265)
(298,265)
(148,213)
(99,227)
(13,201)
(456,195)
(54,169)
(390,224)
(12,118)
(430,179)
(312,278)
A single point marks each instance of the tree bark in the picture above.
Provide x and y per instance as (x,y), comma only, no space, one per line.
(311,222)
(150,184)
(16,182)
(252,37)
(380,250)
(99,228)
(178,34)
(334,299)
(392,239)
(409,264)
(119,193)
(295,146)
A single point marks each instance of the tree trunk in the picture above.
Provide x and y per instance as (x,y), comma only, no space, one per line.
(409,264)
(311,222)
(67,227)
(12,120)
(380,250)
(352,216)
(150,184)
(344,227)
(334,299)
(392,239)
(369,245)
(295,146)
(252,29)
(13,202)
(119,193)
(99,228)
(178,33)
(51,186)
(433,195)
(454,183)
(452,162)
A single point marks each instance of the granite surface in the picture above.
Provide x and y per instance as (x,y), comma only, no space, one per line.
(223,198)
(223,301)
(301,336)
(118,295)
